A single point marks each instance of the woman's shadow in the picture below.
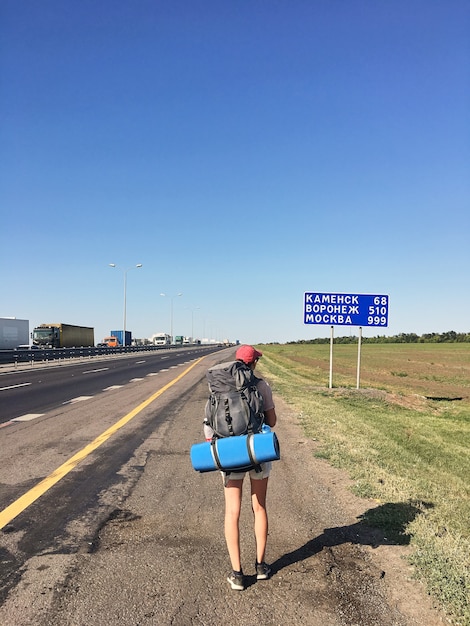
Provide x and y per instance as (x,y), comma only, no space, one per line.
(385,524)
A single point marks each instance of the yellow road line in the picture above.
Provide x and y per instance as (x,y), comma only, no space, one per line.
(17,507)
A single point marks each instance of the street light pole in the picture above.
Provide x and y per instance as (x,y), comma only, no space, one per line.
(125,296)
(171,312)
(192,321)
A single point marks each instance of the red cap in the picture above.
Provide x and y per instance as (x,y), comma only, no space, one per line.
(247,354)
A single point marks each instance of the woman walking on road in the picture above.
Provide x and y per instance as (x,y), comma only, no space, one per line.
(233,486)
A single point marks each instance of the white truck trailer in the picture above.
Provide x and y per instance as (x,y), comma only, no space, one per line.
(13,333)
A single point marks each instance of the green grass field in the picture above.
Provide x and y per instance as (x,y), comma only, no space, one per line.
(403,437)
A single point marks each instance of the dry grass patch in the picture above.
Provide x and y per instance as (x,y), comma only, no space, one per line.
(398,445)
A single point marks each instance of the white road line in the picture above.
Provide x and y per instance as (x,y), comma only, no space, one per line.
(15,386)
(31,416)
(79,399)
(27,418)
(137,362)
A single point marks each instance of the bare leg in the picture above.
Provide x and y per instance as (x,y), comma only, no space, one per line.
(233,501)
(258,503)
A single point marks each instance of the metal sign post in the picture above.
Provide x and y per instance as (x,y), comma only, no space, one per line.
(345,309)
(331,356)
(359,357)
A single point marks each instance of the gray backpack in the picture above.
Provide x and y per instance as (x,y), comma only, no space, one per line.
(235,406)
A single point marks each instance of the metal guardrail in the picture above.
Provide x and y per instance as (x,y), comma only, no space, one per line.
(55,354)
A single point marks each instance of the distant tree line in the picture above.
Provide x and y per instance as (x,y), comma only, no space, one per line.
(448,337)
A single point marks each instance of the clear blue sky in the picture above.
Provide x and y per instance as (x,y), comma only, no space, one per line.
(244,153)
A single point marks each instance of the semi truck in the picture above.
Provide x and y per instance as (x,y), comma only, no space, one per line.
(13,333)
(161,339)
(60,335)
(111,342)
(120,337)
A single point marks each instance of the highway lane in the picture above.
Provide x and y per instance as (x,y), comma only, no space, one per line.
(33,392)
(63,517)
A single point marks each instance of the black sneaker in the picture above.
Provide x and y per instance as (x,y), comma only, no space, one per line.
(237,581)
(263,571)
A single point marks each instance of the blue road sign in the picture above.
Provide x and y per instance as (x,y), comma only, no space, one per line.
(340,309)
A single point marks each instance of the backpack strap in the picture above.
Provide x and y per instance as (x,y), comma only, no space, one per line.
(249,425)
(228,417)
(215,454)
(251,453)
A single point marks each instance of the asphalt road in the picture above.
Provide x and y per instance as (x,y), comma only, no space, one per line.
(132,535)
(27,389)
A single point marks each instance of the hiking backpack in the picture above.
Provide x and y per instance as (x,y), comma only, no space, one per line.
(235,406)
